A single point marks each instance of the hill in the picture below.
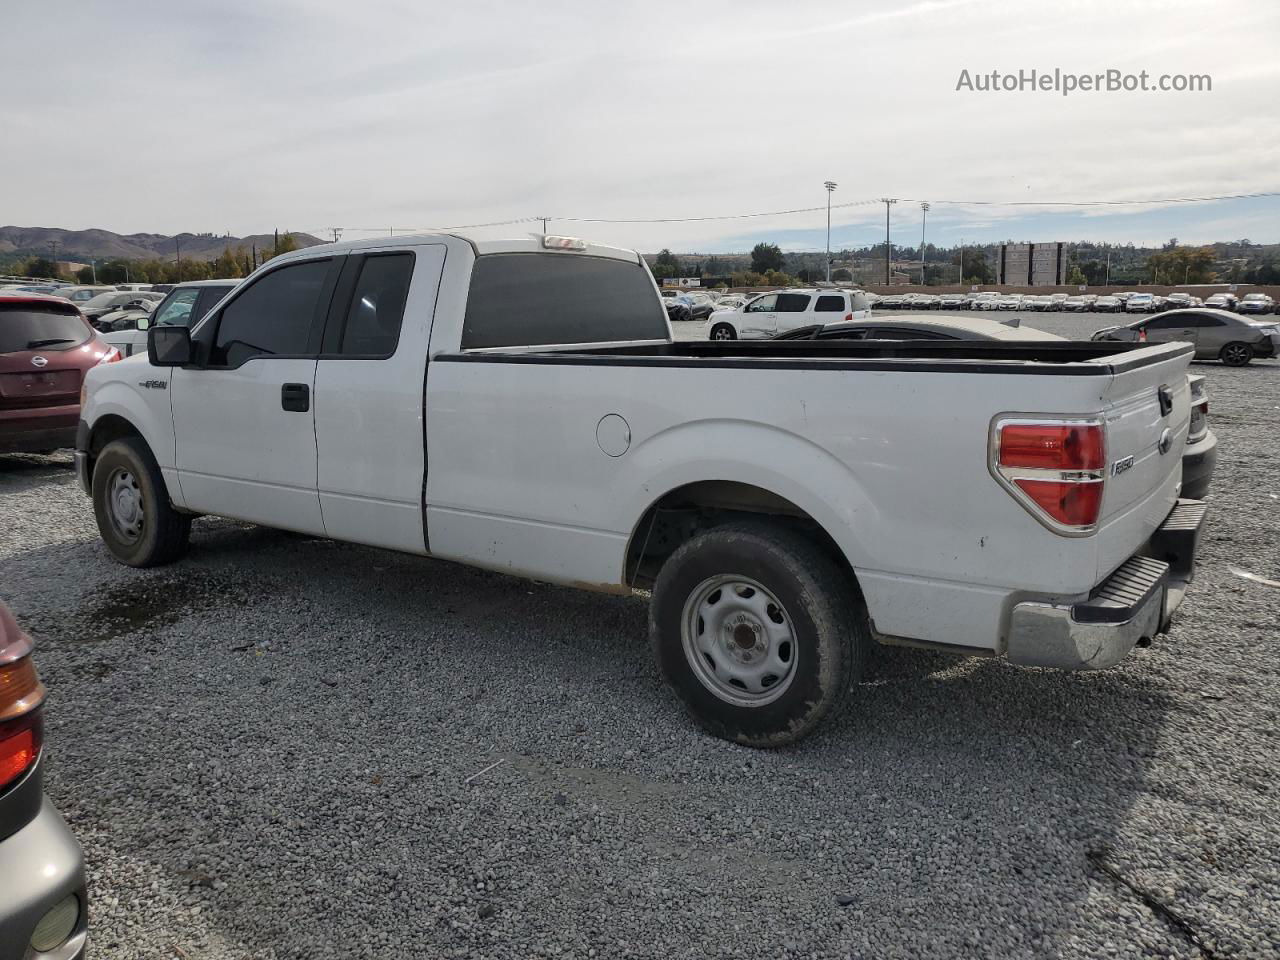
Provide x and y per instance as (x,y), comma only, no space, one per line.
(85,244)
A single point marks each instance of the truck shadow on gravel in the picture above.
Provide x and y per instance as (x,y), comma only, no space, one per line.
(954,799)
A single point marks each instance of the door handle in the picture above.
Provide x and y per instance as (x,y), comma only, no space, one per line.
(295,397)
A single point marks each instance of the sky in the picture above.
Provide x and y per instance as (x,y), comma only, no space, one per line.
(244,117)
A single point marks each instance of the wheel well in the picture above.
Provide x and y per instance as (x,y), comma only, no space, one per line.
(107,429)
(687,511)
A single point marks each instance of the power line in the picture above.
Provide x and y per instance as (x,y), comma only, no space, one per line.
(798,210)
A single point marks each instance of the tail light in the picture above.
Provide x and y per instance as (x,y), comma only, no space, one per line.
(1055,468)
(848,317)
(111,356)
(21,694)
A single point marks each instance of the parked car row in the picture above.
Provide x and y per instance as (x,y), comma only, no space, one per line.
(1216,334)
(1126,302)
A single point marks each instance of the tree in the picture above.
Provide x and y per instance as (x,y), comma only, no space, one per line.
(976,268)
(662,271)
(41,267)
(1182,265)
(1076,276)
(228,265)
(667,259)
(284,243)
(841,274)
(766,257)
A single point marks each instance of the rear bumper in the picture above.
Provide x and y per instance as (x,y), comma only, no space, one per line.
(1198,462)
(30,429)
(1130,607)
(42,864)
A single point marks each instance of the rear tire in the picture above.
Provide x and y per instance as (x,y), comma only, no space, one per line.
(722,331)
(131,504)
(759,632)
(1236,354)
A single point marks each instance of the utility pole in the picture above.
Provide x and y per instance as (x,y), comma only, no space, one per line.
(924,218)
(53,249)
(545,221)
(831,186)
(888,250)
(177,244)
(961,281)
(1108,283)
(93,263)
(337,233)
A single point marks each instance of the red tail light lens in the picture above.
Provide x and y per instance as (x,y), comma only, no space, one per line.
(21,693)
(1047,446)
(1069,502)
(20,742)
(111,356)
(1055,468)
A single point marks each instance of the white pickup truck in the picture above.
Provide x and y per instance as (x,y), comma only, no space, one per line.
(520,406)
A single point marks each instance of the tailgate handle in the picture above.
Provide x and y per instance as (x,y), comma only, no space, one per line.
(1166,401)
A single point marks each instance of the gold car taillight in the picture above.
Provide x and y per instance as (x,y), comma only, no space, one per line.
(21,695)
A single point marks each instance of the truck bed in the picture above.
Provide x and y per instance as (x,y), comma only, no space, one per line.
(1080,358)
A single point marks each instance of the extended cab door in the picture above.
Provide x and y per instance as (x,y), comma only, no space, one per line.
(243,418)
(369,397)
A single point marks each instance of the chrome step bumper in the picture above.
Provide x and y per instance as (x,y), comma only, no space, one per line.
(1130,607)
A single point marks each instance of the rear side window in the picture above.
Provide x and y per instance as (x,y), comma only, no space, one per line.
(33,327)
(273,317)
(531,299)
(372,327)
(829,304)
(793,302)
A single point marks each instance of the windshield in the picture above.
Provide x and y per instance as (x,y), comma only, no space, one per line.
(30,326)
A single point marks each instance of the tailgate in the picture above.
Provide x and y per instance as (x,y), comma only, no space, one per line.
(1147,407)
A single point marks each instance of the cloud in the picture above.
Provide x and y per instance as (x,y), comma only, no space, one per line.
(248,116)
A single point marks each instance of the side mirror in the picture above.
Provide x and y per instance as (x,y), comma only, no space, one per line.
(169,346)
(143,322)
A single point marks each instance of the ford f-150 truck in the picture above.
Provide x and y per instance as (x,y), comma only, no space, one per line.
(520,406)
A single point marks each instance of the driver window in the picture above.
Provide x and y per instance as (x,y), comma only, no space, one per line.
(273,317)
(762,304)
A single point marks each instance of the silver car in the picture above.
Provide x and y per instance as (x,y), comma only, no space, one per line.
(43,903)
(1216,334)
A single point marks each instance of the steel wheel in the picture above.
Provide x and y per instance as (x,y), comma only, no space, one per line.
(124,505)
(739,640)
(1236,354)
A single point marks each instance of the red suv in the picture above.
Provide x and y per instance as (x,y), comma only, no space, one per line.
(46,346)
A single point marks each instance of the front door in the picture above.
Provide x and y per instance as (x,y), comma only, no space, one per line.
(759,317)
(244,420)
(1171,328)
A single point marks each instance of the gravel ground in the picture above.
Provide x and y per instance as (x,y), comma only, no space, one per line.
(287,747)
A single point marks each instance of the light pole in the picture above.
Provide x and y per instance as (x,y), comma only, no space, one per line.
(831,186)
(962,264)
(888,250)
(924,217)
(1108,283)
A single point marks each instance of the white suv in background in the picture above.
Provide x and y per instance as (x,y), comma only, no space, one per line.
(772,313)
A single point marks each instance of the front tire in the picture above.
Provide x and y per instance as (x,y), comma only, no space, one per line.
(722,331)
(131,504)
(1236,354)
(759,632)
